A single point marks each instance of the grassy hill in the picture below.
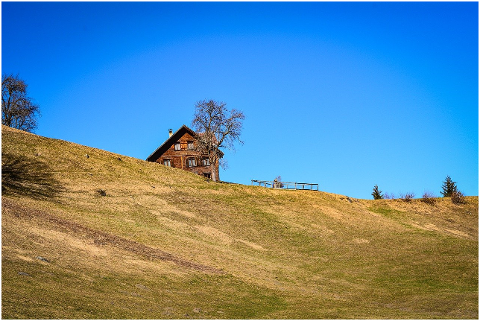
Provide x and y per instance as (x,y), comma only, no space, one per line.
(91,234)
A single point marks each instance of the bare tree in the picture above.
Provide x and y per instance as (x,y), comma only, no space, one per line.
(217,128)
(18,110)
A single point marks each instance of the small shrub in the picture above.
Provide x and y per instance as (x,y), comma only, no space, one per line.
(458,198)
(407,197)
(429,198)
(101,192)
(388,196)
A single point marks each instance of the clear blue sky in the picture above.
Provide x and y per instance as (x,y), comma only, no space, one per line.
(346,95)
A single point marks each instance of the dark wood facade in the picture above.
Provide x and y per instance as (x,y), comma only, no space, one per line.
(178,151)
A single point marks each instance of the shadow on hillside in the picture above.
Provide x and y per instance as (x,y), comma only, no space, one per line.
(28,177)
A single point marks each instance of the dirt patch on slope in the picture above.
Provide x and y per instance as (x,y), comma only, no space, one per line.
(101,238)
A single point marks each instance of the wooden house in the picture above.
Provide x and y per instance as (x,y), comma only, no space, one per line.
(179,151)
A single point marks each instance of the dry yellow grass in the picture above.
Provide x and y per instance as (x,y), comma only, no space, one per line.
(164,243)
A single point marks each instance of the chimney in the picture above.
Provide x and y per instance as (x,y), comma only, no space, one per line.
(170,133)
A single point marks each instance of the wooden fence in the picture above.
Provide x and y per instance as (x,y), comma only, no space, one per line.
(286,185)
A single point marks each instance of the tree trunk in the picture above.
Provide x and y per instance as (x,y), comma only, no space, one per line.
(212,173)
(213,169)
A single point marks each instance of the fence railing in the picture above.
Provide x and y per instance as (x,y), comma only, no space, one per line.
(286,185)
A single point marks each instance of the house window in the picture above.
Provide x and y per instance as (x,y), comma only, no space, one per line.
(177,146)
(190,145)
(191,162)
(167,162)
(205,162)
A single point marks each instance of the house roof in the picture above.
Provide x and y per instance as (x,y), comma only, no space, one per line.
(171,140)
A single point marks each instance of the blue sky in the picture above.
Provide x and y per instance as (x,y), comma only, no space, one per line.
(346,95)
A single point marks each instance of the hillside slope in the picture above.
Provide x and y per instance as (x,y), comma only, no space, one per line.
(91,234)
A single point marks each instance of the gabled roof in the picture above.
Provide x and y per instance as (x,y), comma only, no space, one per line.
(169,142)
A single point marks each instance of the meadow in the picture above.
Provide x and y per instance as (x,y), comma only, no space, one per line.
(91,234)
